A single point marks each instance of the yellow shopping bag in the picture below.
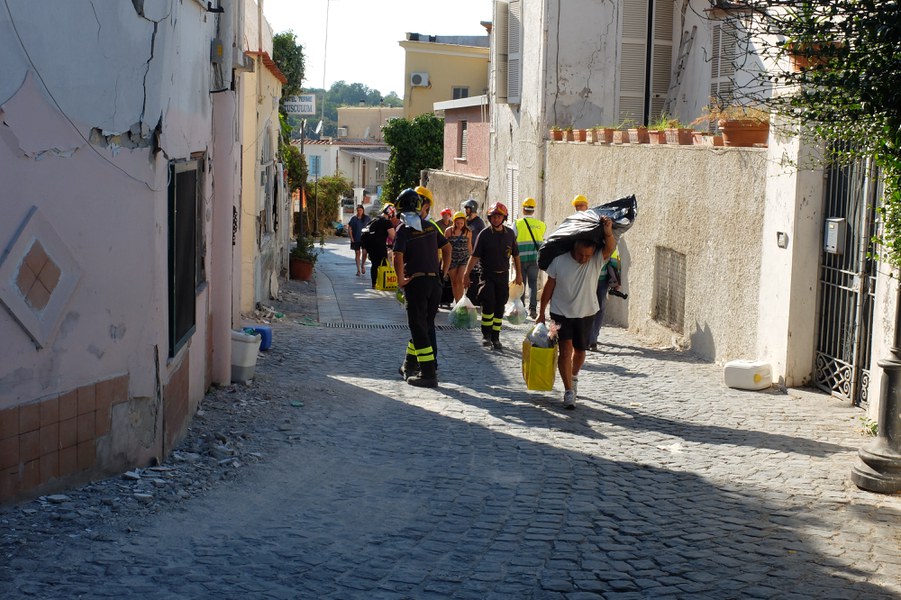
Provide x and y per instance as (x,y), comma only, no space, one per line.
(386,277)
(539,366)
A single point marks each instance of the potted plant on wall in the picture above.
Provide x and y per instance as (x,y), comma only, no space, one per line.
(556,133)
(303,258)
(657,130)
(741,125)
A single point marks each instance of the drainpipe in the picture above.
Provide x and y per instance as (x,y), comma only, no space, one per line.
(879,467)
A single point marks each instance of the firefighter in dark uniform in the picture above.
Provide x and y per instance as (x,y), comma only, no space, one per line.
(493,249)
(416,247)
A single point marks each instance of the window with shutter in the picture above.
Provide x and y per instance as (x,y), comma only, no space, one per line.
(463,140)
(499,52)
(642,95)
(514,52)
(512,192)
(723,53)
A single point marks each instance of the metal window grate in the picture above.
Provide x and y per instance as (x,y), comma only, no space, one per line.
(669,289)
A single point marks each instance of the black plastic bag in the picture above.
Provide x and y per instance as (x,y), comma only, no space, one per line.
(586,225)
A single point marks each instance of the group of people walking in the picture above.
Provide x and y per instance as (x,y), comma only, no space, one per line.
(459,248)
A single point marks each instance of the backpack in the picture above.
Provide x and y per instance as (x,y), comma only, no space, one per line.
(367,236)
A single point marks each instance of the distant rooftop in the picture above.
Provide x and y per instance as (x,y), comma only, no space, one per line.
(481,41)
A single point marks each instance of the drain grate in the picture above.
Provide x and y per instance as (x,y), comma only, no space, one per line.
(382,326)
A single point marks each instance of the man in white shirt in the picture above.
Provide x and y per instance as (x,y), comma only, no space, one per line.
(571,292)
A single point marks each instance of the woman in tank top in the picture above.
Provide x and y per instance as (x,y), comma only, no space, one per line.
(460,239)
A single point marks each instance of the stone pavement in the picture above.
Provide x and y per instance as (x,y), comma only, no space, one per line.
(663,483)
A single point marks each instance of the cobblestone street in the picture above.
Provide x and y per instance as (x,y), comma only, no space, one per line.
(329,477)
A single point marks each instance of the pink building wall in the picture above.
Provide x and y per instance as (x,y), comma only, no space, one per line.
(477,125)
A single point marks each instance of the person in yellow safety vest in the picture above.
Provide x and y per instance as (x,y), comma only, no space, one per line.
(529,237)
(580,203)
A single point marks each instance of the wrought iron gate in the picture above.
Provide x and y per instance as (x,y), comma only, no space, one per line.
(847,282)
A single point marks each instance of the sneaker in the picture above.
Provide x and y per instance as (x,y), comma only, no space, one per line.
(533,314)
(593,347)
(575,386)
(569,400)
(497,344)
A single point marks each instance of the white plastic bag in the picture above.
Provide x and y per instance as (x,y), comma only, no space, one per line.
(464,314)
(540,336)
(516,312)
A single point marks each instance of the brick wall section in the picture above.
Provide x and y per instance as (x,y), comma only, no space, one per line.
(55,437)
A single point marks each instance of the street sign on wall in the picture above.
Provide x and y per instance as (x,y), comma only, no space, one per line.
(305,104)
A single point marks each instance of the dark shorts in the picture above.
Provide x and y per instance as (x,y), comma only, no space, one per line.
(577,330)
(356,246)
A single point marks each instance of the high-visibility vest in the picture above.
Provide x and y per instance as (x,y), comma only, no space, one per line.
(527,250)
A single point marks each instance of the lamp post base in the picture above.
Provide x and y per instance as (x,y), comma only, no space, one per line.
(879,467)
(879,470)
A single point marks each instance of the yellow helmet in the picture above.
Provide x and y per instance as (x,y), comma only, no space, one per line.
(529,204)
(580,199)
(459,215)
(425,193)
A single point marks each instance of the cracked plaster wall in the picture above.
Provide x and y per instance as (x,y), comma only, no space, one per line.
(113,69)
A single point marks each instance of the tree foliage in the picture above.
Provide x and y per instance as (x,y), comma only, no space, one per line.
(288,57)
(339,95)
(847,90)
(295,167)
(324,201)
(415,145)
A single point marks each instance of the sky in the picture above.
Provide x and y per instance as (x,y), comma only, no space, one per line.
(363,35)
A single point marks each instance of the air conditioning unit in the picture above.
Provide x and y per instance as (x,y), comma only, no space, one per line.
(419,79)
(342,132)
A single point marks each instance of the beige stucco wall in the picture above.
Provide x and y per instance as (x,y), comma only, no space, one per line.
(262,254)
(451,189)
(448,66)
(366,122)
(707,204)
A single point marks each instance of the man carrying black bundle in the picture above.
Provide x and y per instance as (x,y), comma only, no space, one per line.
(571,291)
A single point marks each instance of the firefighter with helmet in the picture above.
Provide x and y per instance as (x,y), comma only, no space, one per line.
(416,247)
(493,249)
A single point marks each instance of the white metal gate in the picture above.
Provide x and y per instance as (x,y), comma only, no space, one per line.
(847,282)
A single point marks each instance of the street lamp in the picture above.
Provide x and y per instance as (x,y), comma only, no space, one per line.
(879,468)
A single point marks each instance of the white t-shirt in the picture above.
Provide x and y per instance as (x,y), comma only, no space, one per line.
(575,293)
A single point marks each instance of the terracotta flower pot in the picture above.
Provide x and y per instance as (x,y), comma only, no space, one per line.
(568,135)
(656,137)
(679,136)
(556,135)
(300,269)
(638,135)
(744,134)
(603,135)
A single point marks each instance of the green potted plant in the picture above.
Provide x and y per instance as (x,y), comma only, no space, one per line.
(657,129)
(568,135)
(303,258)
(556,133)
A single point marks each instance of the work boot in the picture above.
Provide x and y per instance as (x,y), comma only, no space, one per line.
(486,341)
(409,369)
(497,344)
(427,376)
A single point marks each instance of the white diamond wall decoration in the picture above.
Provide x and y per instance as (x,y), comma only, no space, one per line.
(38,277)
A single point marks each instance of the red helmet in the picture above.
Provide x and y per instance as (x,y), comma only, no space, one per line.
(498,208)
(448,212)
